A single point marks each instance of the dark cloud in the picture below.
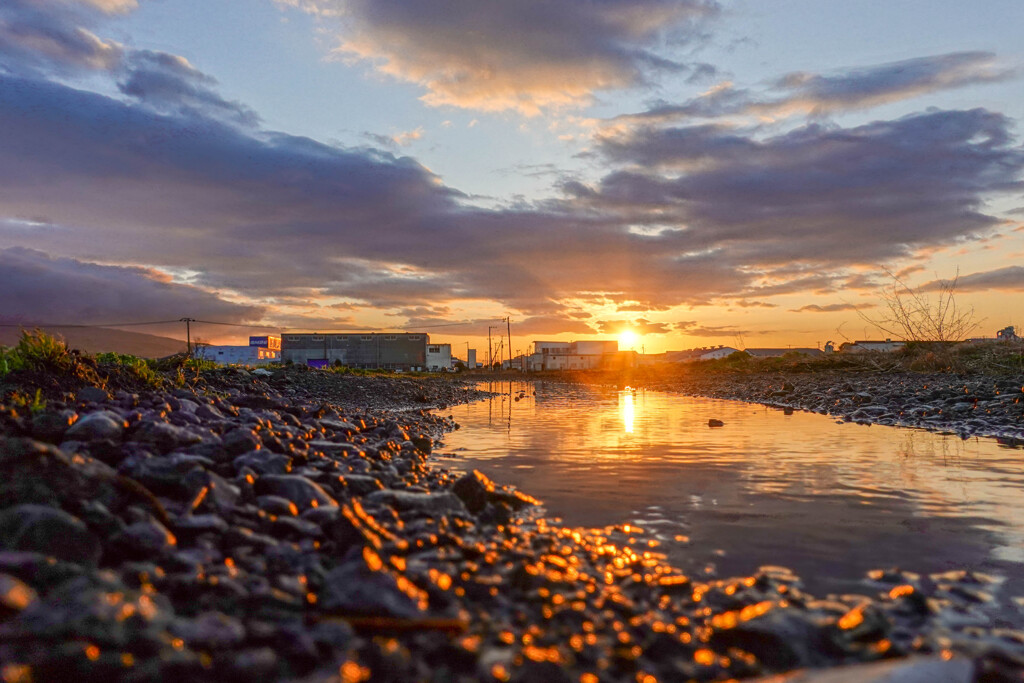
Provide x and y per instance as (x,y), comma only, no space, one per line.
(640,326)
(523,55)
(1010,278)
(43,36)
(830,308)
(41,289)
(694,329)
(168,83)
(277,217)
(801,197)
(743,303)
(847,90)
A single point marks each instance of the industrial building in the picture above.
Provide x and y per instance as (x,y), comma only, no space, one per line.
(392,351)
(577,355)
(439,357)
(264,349)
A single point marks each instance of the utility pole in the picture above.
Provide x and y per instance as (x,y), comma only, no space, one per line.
(188,333)
(490,349)
(508,326)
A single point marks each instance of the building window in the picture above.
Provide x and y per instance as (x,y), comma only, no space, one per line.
(415,337)
(367,337)
(293,339)
(390,337)
(434,349)
(317,338)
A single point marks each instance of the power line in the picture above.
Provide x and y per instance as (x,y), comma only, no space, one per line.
(154,322)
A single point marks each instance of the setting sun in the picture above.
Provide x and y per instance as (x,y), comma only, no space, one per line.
(627,339)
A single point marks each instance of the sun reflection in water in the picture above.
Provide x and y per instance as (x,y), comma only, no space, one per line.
(626,408)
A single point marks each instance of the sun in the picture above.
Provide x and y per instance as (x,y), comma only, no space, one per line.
(627,339)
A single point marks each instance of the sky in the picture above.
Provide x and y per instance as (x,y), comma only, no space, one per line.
(697,172)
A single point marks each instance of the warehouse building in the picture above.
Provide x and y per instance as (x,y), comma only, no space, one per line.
(365,350)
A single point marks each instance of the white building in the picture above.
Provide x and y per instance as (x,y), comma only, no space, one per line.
(439,357)
(578,355)
(237,355)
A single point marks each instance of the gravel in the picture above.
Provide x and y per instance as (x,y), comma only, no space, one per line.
(289,527)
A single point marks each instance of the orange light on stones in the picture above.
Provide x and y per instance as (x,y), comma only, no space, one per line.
(704,657)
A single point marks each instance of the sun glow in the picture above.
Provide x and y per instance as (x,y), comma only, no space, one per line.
(627,339)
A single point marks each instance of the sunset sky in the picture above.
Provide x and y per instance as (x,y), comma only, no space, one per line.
(735,172)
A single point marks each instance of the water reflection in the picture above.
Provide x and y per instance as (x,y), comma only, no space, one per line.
(829,500)
(626,408)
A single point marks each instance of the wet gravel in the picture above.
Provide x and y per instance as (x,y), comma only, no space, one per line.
(288,526)
(964,405)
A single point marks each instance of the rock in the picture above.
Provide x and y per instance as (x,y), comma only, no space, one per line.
(277,505)
(298,489)
(92,394)
(34,472)
(715,423)
(99,610)
(422,442)
(356,588)
(419,503)
(210,631)
(334,447)
(191,525)
(163,436)
(220,494)
(94,426)
(14,596)
(361,484)
(472,489)
(144,540)
(264,462)
(240,440)
(48,530)
(50,425)
(909,670)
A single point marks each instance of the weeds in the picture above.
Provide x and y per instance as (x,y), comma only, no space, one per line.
(33,403)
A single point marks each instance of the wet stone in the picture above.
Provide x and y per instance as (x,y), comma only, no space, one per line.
(163,436)
(95,426)
(92,394)
(47,530)
(50,426)
(143,540)
(210,631)
(355,588)
(299,490)
(14,596)
(264,462)
(418,503)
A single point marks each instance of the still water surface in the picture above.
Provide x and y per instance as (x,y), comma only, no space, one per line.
(831,501)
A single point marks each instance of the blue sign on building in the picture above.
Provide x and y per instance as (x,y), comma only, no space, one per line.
(259,341)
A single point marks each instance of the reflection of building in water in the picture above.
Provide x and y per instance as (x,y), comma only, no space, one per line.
(579,355)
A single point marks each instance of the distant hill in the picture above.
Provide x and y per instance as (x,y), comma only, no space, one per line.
(100,339)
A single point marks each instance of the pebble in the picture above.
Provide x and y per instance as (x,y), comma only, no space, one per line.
(290,527)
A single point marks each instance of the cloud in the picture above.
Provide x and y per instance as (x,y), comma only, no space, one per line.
(41,289)
(829,308)
(39,36)
(277,217)
(800,197)
(168,83)
(1010,279)
(525,55)
(640,326)
(846,90)
(693,329)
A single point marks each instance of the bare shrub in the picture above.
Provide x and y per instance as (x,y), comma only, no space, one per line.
(915,315)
